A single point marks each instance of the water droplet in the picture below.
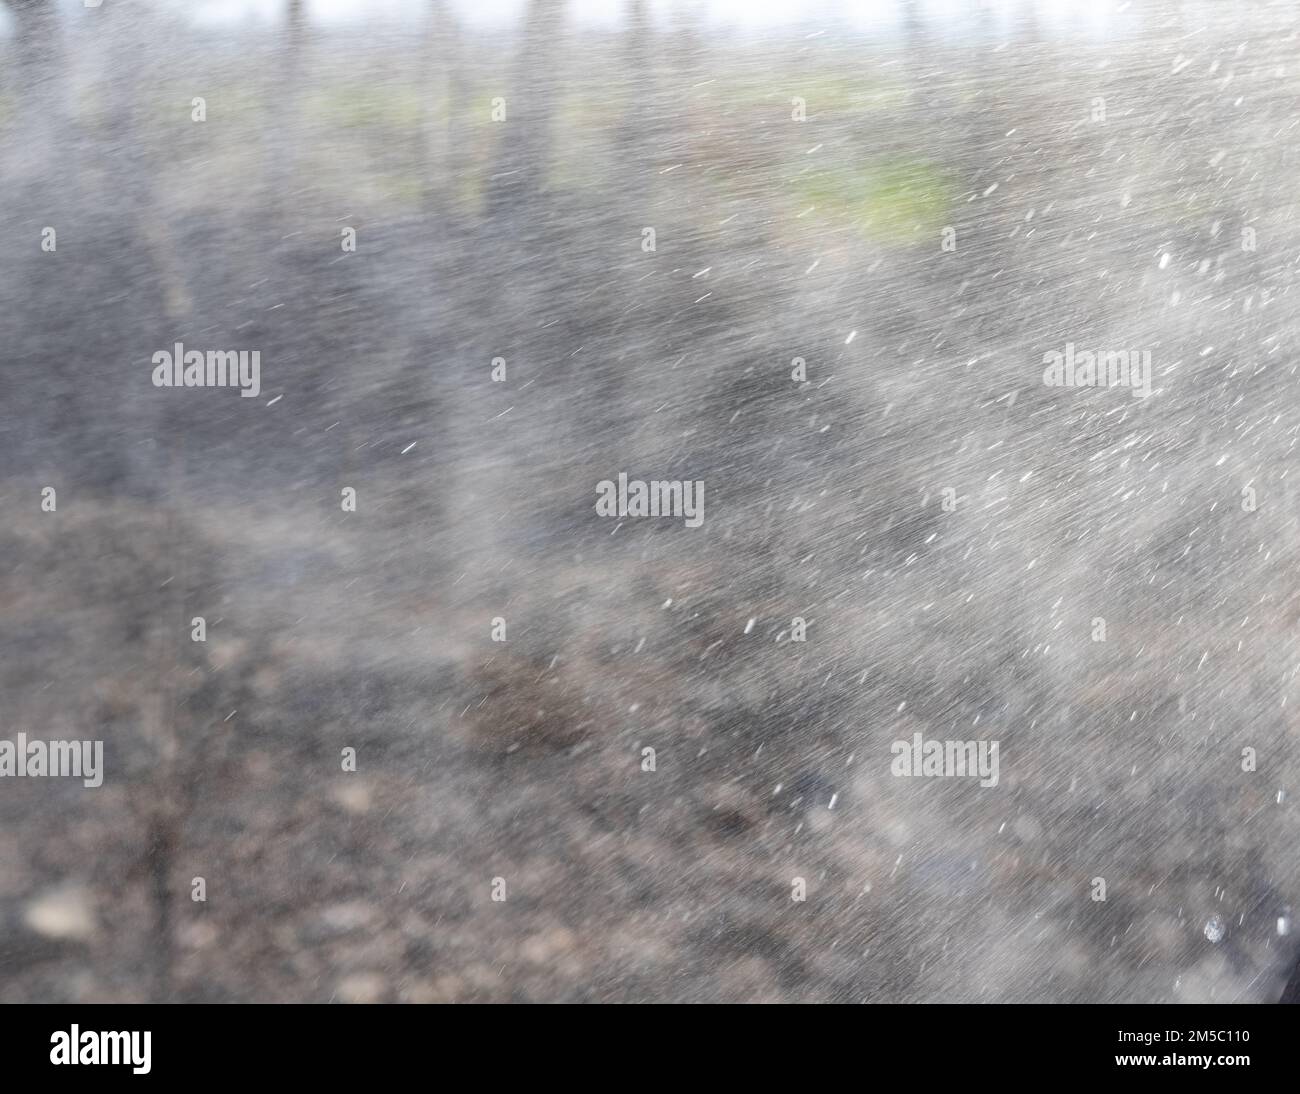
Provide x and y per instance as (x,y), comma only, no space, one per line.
(1214,928)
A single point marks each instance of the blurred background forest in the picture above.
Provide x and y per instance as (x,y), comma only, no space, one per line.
(799,167)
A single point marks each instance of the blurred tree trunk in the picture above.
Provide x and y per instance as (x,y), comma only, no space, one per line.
(36,33)
(913,28)
(39,78)
(286,97)
(523,149)
(914,48)
(688,41)
(984,120)
(1029,23)
(295,37)
(686,61)
(637,137)
(444,100)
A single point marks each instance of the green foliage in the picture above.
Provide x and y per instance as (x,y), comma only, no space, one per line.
(371,105)
(890,201)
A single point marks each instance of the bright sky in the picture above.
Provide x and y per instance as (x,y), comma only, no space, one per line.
(1081,14)
(1078,16)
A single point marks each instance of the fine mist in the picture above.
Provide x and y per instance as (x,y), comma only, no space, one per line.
(794,509)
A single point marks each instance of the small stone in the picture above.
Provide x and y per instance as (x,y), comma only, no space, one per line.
(361,987)
(198,935)
(64,913)
(353,795)
(348,917)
